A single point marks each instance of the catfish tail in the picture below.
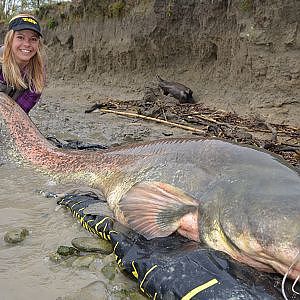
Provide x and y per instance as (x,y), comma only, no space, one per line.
(19,137)
(26,144)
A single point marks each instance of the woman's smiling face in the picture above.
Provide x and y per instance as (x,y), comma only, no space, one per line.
(24,46)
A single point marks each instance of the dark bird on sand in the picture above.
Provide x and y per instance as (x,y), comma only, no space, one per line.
(176,90)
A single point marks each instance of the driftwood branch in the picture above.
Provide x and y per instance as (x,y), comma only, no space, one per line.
(273,131)
(270,128)
(133,115)
(217,123)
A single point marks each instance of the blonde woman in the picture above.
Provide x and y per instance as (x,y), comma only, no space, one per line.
(22,73)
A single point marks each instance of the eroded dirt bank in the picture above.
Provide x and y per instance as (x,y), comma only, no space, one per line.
(240,56)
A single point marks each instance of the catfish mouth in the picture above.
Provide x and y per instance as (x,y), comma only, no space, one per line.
(291,266)
(283,261)
(270,264)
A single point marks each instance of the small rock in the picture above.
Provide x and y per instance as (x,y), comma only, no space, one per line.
(109,270)
(95,290)
(83,261)
(55,257)
(121,292)
(92,245)
(66,251)
(67,261)
(16,235)
(96,265)
(167,133)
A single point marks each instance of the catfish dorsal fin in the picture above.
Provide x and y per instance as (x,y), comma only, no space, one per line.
(155,209)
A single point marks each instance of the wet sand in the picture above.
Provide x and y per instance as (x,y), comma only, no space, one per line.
(60,113)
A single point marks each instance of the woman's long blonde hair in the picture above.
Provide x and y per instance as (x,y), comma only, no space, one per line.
(35,70)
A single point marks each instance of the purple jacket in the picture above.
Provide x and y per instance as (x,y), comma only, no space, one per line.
(27,99)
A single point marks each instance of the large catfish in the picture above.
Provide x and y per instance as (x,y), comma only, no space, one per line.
(234,198)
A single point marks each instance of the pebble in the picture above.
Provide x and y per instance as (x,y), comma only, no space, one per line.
(67,251)
(122,292)
(95,290)
(83,261)
(55,257)
(109,270)
(89,244)
(16,235)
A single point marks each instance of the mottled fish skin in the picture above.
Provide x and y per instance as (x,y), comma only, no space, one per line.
(248,201)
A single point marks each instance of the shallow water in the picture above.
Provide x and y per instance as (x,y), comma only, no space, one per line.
(25,270)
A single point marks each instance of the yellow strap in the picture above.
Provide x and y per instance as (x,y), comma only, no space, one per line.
(134,272)
(199,289)
(104,235)
(149,271)
(115,247)
(74,204)
(100,222)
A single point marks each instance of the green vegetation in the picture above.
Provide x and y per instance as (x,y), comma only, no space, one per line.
(9,8)
(52,23)
(116,9)
(57,8)
(246,5)
(170,8)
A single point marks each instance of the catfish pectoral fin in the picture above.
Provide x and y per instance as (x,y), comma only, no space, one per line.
(156,209)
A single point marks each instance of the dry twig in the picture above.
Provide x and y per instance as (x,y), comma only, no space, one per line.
(133,115)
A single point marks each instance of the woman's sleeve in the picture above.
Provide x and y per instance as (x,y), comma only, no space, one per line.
(28,99)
